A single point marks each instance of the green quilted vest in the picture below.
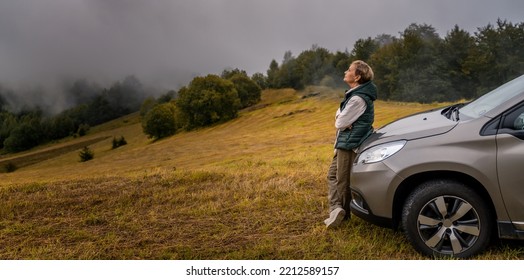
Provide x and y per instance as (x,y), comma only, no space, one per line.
(349,139)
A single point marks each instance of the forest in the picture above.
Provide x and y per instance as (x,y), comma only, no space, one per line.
(417,65)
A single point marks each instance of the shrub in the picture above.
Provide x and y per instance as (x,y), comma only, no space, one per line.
(86,154)
(160,121)
(83,129)
(148,104)
(208,100)
(248,91)
(119,142)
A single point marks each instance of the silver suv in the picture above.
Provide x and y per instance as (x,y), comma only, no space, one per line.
(450,178)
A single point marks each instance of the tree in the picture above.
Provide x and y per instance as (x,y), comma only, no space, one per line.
(457,50)
(411,68)
(364,48)
(229,73)
(208,100)
(272,74)
(82,92)
(100,110)
(384,40)
(3,102)
(340,61)
(386,67)
(260,80)
(311,67)
(25,136)
(289,76)
(134,93)
(86,154)
(288,56)
(148,104)
(167,97)
(8,122)
(160,121)
(82,130)
(499,55)
(421,78)
(248,91)
(61,126)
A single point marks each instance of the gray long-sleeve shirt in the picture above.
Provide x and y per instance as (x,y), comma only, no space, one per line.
(355,107)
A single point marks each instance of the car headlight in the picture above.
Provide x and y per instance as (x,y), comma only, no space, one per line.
(380,152)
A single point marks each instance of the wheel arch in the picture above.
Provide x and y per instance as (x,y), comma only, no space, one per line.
(411,183)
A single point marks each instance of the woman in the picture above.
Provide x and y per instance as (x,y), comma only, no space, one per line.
(353,121)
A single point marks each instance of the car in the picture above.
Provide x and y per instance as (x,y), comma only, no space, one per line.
(451,179)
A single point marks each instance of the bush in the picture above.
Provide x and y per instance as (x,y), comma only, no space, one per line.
(208,100)
(148,104)
(119,142)
(83,129)
(248,91)
(160,121)
(86,154)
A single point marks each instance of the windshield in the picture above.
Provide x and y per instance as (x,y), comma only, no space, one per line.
(492,99)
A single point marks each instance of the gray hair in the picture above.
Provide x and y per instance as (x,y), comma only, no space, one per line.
(364,70)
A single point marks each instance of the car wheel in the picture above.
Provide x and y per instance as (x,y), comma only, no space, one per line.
(445,218)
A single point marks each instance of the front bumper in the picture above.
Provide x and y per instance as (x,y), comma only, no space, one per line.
(373,189)
(368,216)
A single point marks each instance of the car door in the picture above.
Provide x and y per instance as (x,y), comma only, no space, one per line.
(510,163)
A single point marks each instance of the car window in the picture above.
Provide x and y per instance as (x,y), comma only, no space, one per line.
(515,119)
(493,98)
(519,122)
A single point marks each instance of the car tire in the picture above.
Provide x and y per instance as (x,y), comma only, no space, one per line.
(445,218)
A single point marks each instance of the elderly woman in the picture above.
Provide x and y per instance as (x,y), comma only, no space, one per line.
(354,120)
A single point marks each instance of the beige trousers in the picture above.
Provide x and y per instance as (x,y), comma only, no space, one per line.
(339,194)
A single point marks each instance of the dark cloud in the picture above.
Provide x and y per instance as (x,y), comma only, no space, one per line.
(167,42)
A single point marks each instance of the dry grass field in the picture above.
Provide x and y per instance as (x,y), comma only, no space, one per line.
(252,188)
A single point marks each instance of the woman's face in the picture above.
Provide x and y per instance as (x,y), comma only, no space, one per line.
(350,77)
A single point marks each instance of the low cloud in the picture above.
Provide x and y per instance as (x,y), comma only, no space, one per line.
(166,43)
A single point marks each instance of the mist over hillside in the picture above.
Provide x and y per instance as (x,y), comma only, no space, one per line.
(46,43)
(54,99)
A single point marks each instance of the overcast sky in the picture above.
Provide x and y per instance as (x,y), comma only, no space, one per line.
(169,41)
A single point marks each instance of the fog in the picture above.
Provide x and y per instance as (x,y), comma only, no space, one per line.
(165,43)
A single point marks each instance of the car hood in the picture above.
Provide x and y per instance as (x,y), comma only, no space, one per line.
(416,126)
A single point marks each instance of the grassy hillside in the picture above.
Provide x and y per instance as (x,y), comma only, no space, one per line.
(283,125)
(252,188)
